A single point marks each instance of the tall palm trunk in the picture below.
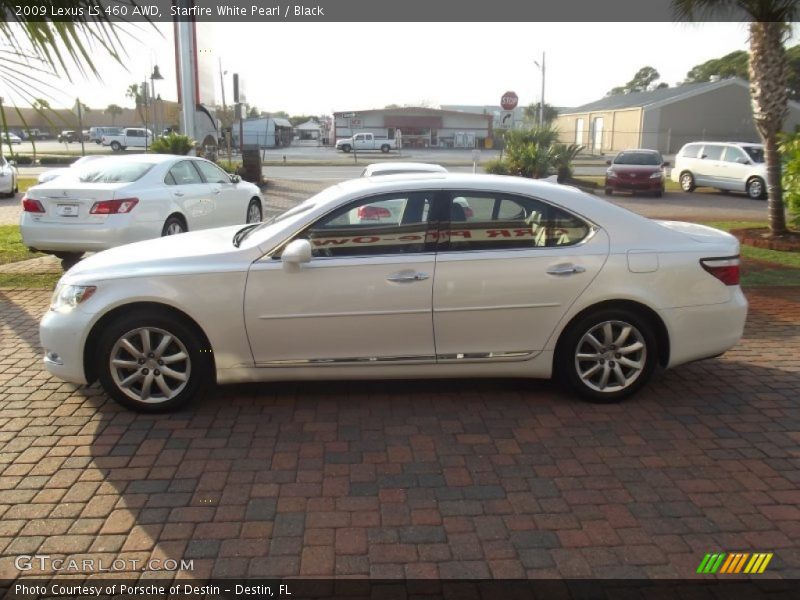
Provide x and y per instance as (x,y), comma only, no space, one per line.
(769,94)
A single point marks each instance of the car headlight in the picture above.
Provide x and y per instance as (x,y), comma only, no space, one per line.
(611,173)
(657,175)
(67,297)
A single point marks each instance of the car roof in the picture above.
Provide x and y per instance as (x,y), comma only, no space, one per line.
(640,150)
(409,166)
(740,144)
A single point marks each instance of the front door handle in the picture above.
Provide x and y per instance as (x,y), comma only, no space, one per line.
(565,269)
(406,276)
(179,194)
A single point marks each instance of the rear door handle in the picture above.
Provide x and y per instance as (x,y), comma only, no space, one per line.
(406,276)
(178,193)
(565,269)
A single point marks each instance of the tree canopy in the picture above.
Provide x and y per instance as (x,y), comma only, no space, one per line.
(645,79)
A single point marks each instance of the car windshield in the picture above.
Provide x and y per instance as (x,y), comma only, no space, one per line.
(756,153)
(113,171)
(637,158)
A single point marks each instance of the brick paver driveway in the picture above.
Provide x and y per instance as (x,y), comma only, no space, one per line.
(417,479)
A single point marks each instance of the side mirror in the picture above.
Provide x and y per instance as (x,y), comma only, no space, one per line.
(743,161)
(13,163)
(295,254)
(608,162)
(235,178)
(665,163)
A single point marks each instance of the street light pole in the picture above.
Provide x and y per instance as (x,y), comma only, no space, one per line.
(541,101)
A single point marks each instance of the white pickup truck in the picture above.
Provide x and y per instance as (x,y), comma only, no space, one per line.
(365,141)
(131,137)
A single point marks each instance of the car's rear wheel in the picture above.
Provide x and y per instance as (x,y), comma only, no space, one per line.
(385,148)
(254,214)
(152,362)
(756,189)
(687,181)
(607,355)
(68,259)
(173,226)
(116,146)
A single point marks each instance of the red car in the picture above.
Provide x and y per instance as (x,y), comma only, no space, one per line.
(636,171)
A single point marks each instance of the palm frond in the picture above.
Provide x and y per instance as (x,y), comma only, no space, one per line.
(746,10)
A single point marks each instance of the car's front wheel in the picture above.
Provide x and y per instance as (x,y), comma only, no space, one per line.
(607,355)
(687,182)
(68,259)
(254,214)
(152,362)
(116,146)
(756,188)
(346,148)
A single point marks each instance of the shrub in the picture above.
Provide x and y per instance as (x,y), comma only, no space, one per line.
(21,159)
(57,160)
(790,154)
(496,167)
(228,166)
(563,155)
(173,143)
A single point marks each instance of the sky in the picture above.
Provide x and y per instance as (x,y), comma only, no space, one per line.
(305,68)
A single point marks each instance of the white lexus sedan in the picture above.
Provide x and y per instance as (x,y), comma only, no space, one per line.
(388,277)
(117,200)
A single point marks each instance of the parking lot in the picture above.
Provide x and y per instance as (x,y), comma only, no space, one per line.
(418,479)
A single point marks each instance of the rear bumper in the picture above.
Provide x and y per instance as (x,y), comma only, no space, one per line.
(116,230)
(698,332)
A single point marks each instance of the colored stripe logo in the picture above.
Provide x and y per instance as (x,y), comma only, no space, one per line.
(734,563)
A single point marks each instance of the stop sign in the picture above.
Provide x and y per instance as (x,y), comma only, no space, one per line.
(509,101)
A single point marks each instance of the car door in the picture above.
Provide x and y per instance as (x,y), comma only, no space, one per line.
(191,194)
(363,299)
(507,269)
(736,166)
(362,141)
(711,169)
(227,203)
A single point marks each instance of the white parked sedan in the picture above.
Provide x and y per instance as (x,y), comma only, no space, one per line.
(8,177)
(117,200)
(51,174)
(538,279)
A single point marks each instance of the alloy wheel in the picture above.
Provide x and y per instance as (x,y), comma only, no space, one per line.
(150,365)
(611,356)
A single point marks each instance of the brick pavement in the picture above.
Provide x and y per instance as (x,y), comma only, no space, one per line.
(487,478)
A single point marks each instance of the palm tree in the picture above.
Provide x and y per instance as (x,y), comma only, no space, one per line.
(114,110)
(134,93)
(769,28)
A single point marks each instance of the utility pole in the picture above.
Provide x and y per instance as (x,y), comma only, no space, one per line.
(541,102)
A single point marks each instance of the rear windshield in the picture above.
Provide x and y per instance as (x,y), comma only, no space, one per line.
(637,158)
(113,172)
(756,153)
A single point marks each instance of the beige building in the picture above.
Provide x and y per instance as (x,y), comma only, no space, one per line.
(418,127)
(667,118)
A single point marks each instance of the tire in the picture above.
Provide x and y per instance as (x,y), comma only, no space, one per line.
(68,259)
(116,146)
(385,148)
(173,226)
(175,368)
(658,194)
(755,188)
(687,181)
(585,376)
(346,148)
(609,192)
(254,212)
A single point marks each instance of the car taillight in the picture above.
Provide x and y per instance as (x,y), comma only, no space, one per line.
(724,269)
(114,207)
(31,206)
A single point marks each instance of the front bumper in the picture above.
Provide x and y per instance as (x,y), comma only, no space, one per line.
(633,185)
(63,337)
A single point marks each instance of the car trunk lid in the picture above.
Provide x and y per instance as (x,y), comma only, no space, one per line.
(72,205)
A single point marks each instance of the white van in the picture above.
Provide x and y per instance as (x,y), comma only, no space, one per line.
(727,166)
(96,133)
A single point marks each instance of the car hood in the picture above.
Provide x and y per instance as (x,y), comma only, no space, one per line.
(210,250)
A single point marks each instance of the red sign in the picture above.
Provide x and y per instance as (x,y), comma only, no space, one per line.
(509,101)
